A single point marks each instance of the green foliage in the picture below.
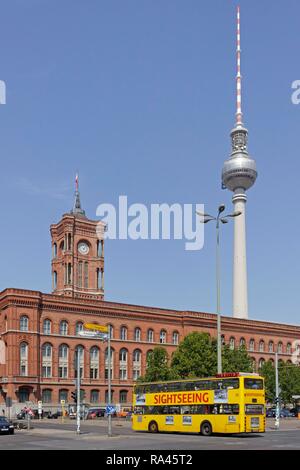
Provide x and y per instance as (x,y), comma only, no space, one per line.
(288,377)
(236,360)
(196,356)
(157,368)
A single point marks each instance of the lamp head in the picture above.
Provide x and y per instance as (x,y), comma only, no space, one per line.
(221,208)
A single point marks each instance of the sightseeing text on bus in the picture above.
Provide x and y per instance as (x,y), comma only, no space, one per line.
(180,398)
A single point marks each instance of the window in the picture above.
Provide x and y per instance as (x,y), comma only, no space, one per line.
(175,337)
(47,360)
(242,343)
(47,327)
(46,395)
(106,396)
(150,336)
(253,384)
(63,328)
(69,273)
(94,396)
(63,395)
(54,250)
(137,334)
(69,241)
(279,347)
(252,345)
(271,346)
(137,365)
(232,343)
(63,355)
(54,280)
(123,396)
(289,348)
(123,333)
(79,327)
(123,355)
(24,359)
(100,246)
(261,345)
(24,323)
(86,275)
(261,362)
(163,336)
(94,362)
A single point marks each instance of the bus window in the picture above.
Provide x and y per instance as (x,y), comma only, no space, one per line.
(254,384)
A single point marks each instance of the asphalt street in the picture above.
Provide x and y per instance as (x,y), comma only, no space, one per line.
(49,435)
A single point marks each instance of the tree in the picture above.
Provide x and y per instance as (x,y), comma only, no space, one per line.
(267,370)
(236,360)
(288,378)
(196,356)
(157,368)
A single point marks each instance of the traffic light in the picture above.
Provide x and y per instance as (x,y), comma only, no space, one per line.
(74,395)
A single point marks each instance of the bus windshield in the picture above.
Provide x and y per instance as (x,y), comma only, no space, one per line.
(254,384)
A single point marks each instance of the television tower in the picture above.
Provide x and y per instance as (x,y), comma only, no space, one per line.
(239,174)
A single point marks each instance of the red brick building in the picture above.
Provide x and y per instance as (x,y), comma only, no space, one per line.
(39,332)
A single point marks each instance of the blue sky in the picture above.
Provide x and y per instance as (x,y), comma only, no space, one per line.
(139,97)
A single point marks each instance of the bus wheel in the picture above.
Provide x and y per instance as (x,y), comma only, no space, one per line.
(153,427)
(206,429)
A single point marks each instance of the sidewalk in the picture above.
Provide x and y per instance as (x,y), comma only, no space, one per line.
(285,424)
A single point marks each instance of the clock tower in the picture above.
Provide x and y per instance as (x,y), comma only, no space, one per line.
(78,254)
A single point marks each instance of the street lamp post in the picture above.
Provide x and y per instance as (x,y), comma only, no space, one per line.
(109,382)
(204,219)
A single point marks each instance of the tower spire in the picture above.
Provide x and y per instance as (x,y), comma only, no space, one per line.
(239,113)
(77,210)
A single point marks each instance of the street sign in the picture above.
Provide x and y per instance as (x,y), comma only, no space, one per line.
(110,410)
(91,334)
(93,326)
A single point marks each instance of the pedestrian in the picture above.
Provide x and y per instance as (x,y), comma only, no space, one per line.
(3,412)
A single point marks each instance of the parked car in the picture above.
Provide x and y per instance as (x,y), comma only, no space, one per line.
(95,413)
(285,413)
(125,412)
(270,413)
(5,426)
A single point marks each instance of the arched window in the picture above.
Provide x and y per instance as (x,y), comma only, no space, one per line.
(289,348)
(175,337)
(150,336)
(123,333)
(137,364)
(123,355)
(279,347)
(63,360)
(261,362)
(94,362)
(69,241)
(261,345)
(24,323)
(252,344)
(242,342)
(163,337)
(47,395)
(54,280)
(137,334)
(95,396)
(63,395)
(112,355)
(271,346)
(100,246)
(111,396)
(62,245)
(79,350)
(24,359)
(232,342)
(63,328)
(54,250)
(47,326)
(80,274)
(79,327)
(47,360)
(123,396)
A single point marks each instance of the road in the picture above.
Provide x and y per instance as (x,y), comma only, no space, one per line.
(50,434)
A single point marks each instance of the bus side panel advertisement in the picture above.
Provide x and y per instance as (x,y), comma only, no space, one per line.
(169,419)
(187,420)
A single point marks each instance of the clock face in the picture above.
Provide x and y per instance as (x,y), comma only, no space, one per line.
(83,248)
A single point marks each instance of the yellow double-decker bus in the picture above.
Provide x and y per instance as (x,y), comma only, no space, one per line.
(225,403)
